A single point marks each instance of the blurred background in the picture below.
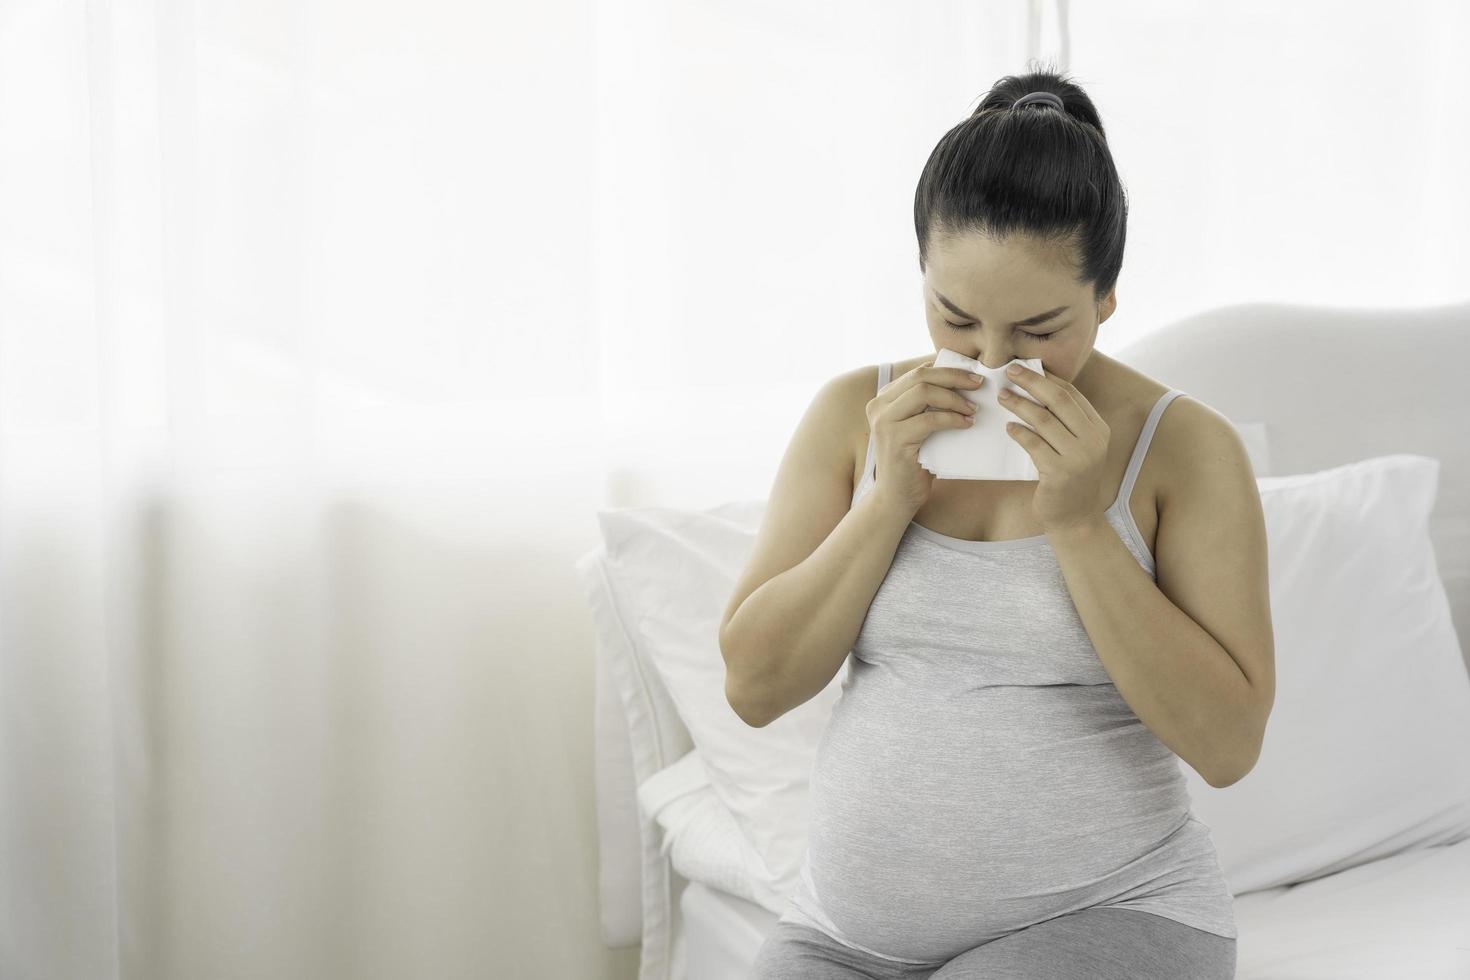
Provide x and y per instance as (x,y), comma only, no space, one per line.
(326,327)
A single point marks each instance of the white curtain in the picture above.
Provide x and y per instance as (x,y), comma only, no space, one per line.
(326,327)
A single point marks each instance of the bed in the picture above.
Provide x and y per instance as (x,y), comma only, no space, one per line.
(1378,886)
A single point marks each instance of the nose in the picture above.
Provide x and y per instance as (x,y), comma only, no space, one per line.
(997,364)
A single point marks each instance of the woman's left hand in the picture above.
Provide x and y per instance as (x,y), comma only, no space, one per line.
(1069,447)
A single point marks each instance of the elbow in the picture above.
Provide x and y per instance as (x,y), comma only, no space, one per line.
(746,708)
(1236,767)
(1244,751)
(1222,776)
(1220,781)
(738,693)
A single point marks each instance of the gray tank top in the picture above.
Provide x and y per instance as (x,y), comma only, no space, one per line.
(980,772)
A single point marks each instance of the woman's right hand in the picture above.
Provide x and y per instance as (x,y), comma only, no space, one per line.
(906,412)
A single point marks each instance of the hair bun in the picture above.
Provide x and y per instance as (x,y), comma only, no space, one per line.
(1047,98)
(999,173)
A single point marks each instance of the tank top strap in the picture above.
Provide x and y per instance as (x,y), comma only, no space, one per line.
(1140,448)
(870,463)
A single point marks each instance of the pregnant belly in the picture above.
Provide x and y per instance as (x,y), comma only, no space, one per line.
(939,822)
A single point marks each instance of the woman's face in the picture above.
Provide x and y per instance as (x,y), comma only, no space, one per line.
(997,285)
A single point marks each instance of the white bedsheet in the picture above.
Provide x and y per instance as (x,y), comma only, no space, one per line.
(1405,917)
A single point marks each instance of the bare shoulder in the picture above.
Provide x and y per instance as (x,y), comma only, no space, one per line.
(1125,396)
(812,489)
(1191,438)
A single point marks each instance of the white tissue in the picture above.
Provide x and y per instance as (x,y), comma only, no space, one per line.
(984,450)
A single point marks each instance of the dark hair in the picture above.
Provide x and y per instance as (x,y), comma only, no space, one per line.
(1037,170)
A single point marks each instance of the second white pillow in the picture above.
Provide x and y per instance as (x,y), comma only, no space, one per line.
(1367,750)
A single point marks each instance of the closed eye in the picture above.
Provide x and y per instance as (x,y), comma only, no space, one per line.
(1033,336)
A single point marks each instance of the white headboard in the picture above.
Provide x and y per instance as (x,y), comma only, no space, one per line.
(1320,384)
(1326,385)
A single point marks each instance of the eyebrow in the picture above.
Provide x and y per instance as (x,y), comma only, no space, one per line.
(1030,321)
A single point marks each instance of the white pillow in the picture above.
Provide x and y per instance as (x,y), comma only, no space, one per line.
(673,572)
(700,836)
(638,733)
(1367,750)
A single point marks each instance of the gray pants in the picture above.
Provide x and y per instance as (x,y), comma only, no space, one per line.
(1091,944)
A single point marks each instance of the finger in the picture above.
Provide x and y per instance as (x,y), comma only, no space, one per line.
(924,395)
(921,426)
(1041,451)
(957,401)
(918,369)
(1050,393)
(1043,421)
(1078,397)
(957,375)
(943,396)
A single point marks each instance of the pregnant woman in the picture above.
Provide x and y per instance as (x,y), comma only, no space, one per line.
(998,791)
